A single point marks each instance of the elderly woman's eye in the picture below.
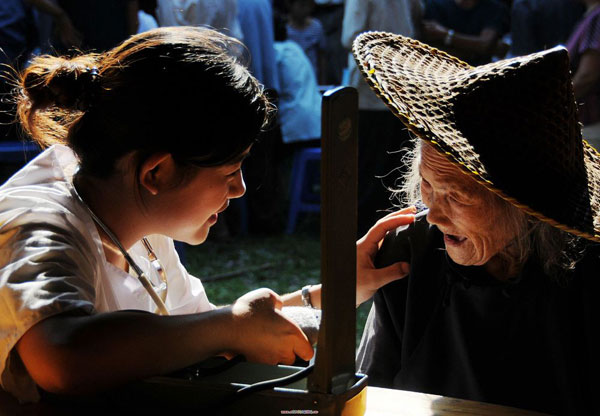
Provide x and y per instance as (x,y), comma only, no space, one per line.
(460,199)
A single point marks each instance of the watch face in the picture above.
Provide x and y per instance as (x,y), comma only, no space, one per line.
(306,301)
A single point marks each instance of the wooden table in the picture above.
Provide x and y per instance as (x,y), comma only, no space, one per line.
(387,402)
(380,402)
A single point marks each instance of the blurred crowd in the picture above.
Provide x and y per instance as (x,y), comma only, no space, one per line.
(298,47)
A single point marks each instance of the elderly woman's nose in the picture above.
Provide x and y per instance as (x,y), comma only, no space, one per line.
(437,213)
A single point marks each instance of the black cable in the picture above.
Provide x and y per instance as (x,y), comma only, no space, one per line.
(276,382)
(256,387)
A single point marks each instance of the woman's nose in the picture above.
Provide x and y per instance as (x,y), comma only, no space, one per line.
(437,212)
(238,186)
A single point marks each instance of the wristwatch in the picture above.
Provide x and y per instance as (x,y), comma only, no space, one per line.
(449,37)
(306,300)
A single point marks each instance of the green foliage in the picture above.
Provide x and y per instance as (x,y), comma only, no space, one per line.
(283,263)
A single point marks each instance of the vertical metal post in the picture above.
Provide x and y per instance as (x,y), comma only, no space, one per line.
(335,359)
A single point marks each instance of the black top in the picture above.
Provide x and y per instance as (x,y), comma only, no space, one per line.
(103,23)
(536,25)
(487,14)
(456,331)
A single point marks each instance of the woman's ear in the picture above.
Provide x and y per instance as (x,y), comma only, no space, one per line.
(156,172)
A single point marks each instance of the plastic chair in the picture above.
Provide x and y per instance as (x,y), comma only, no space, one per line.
(304,180)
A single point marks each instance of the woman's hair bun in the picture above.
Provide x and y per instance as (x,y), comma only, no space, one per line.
(69,84)
(139,100)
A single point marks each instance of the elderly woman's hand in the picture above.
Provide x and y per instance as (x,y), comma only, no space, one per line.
(369,278)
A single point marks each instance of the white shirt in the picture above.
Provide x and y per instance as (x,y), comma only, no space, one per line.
(146,22)
(299,96)
(52,261)
(392,16)
(220,15)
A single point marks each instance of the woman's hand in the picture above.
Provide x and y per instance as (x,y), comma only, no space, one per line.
(368,278)
(263,334)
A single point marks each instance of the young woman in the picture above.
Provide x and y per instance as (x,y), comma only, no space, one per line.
(145,144)
(149,141)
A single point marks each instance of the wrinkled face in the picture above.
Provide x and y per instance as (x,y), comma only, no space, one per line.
(472,219)
(466,4)
(190,209)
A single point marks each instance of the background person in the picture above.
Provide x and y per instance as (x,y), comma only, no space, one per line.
(299,97)
(584,51)
(468,29)
(264,198)
(308,32)
(536,25)
(217,14)
(102,24)
(18,38)
(380,134)
(331,15)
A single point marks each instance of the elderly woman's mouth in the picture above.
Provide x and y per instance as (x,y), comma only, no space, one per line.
(451,239)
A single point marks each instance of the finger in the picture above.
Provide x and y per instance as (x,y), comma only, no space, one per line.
(408,210)
(228,355)
(291,327)
(404,211)
(288,359)
(277,301)
(390,273)
(269,360)
(302,346)
(303,349)
(379,230)
(393,217)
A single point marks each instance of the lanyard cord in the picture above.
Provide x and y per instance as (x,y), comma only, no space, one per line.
(162,308)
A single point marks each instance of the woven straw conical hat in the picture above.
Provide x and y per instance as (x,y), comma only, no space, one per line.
(511,125)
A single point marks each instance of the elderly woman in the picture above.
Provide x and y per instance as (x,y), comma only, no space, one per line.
(499,303)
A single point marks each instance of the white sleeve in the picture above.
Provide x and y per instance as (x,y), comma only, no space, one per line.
(355,21)
(43,272)
(235,29)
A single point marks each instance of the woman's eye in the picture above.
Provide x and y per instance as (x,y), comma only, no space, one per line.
(459,199)
(235,172)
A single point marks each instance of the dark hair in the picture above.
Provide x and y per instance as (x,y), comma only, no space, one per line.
(148,6)
(279,27)
(179,89)
(290,2)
